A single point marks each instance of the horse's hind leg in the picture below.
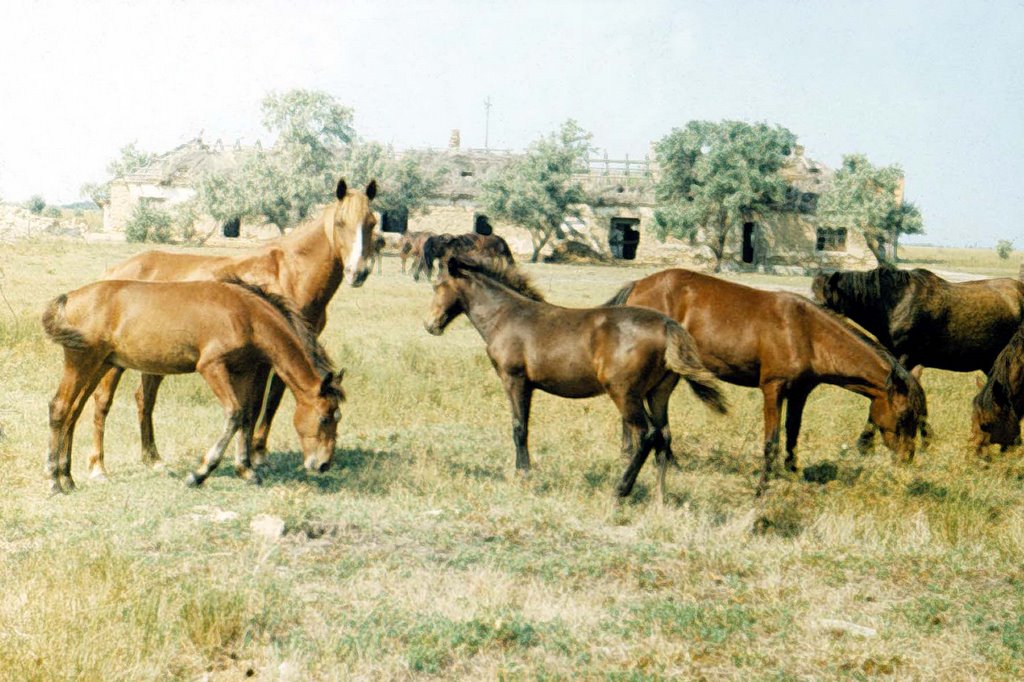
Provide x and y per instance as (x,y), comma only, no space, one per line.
(642,437)
(270,403)
(145,400)
(102,399)
(657,400)
(81,374)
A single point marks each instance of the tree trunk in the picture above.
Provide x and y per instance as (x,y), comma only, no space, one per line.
(718,246)
(538,244)
(877,249)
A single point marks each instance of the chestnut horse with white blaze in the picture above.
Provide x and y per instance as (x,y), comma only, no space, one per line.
(231,334)
(635,356)
(305,266)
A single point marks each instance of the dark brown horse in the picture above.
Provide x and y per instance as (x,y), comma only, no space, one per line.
(633,355)
(306,266)
(924,320)
(999,407)
(232,335)
(786,346)
(440,246)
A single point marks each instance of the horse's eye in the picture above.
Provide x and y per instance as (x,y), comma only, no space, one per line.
(325,421)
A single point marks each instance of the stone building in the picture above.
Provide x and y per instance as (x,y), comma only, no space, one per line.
(619,221)
(168,180)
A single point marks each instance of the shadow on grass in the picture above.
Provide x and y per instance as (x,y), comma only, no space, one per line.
(357,469)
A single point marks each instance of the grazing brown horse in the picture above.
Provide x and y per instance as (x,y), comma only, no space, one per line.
(999,407)
(631,354)
(786,346)
(440,246)
(411,246)
(924,320)
(232,335)
(306,266)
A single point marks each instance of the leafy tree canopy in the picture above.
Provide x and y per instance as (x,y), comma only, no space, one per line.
(539,190)
(131,159)
(867,199)
(715,176)
(300,172)
(406,182)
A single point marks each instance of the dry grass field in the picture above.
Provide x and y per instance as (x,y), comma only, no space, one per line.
(422,555)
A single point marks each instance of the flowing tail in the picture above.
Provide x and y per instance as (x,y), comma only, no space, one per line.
(57,327)
(620,297)
(681,357)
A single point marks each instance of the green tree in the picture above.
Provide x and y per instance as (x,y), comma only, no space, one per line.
(1004,248)
(407,182)
(714,177)
(130,159)
(283,184)
(867,199)
(149,224)
(539,190)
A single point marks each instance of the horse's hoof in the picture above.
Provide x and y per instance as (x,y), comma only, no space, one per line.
(56,489)
(193,481)
(157,465)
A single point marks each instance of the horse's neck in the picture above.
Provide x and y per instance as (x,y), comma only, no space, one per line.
(315,269)
(279,343)
(851,362)
(486,303)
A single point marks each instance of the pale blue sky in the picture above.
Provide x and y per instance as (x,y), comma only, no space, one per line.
(937,87)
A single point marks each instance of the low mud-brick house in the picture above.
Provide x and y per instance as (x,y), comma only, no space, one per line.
(169,180)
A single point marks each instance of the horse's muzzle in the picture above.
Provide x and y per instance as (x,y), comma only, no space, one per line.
(360,278)
(317,467)
(433,329)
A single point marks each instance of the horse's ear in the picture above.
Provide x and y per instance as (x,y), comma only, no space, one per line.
(456,266)
(897,382)
(327,385)
(979,382)
(342,189)
(371,190)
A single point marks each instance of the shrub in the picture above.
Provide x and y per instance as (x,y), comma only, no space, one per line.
(1004,247)
(36,204)
(51,212)
(148,224)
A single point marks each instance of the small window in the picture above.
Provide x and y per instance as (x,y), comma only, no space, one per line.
(831,239)
(481,225)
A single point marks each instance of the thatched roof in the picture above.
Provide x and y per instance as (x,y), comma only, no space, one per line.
(184,164)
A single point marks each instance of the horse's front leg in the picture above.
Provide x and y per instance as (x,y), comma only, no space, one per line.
(102,399)
(270,403)
(520,394)
(773,397)
(219,380)
(795,403)
(248,387)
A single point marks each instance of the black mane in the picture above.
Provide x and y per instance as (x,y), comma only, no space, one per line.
(500,271)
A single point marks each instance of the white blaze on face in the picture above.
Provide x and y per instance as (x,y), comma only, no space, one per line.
(352,262)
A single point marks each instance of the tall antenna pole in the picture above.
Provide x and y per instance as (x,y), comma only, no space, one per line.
(487,123)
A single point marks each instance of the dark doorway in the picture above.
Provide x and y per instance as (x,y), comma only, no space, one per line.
(232,228)
(624,237)
(394,221)
(481,225)
(748,242)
